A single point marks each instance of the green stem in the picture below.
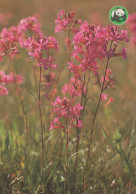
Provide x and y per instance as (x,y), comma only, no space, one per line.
(21,100)
(95,115)
(40,112)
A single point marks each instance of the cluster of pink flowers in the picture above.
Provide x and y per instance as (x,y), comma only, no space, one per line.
(39,43)
(10,37)
(64,109)
(13,36)
(74,88)
(132,26)
(66,21)
(5,79)
(91,43)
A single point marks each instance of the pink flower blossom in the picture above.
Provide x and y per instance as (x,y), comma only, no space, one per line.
(64,108)
(3,91)
(109,81)
(104,97)
(132,27)
(109,101)
(30,23)
(20,79)
(91,43)
(39,44)
(74,88)
(65,22)
(5,79)
(7,48)
(124,53)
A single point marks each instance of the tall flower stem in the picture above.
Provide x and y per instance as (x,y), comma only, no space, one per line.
(69,51)
(66,171)
(41,120)
(21,99)
(95,115)
(78,133)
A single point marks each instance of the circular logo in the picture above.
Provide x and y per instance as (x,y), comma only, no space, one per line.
(118,15)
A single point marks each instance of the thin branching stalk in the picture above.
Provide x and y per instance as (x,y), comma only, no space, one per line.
(66,169)
(21,100)
(77,129)
(69,53)
(41,120)
(97,107)
(85,101)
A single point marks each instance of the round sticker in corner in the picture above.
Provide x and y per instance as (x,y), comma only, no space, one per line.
(118,15)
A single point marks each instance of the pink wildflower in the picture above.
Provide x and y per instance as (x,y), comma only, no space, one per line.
(30,23)
(64,108)
(109,81)
(104,97)
(7,48)
(36,45)
(74,88)
(132,27)
(91,43)
(65,22)
(109,101)
(5,79)
(3,91)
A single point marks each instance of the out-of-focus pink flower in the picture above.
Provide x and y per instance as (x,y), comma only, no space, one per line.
(65,22)
(124,53)
(68,42)
(48,84)
(109,101)
(104,97)
(30,23)
(109,81)
(132,27)
(80,124)
(20,79)
(5,79)
(3,91)
(74,88)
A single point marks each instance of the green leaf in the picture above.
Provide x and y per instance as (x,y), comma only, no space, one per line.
(117,136)
(104,134)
